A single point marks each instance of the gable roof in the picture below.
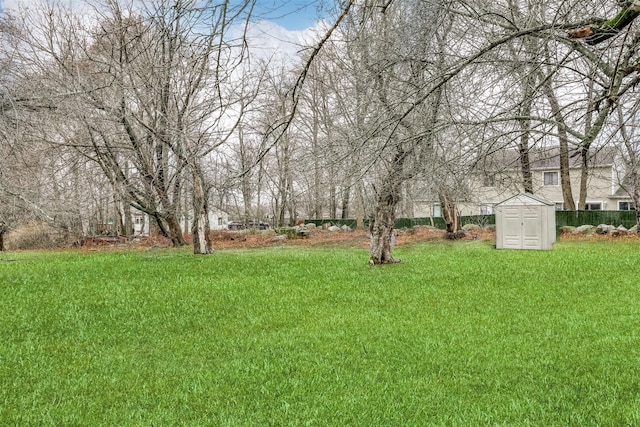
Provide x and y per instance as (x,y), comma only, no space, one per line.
(546,158)
(550,158)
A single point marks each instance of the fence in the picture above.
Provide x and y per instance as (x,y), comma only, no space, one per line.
(572,218)
(577,218)
(411,222)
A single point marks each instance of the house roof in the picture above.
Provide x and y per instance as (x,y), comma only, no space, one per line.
(550,158)
(547,158)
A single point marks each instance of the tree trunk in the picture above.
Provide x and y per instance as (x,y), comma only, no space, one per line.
(525,163)
(128,221)
(408,211)
(384,217)
(333,195)
(584,177)
(170,228)
(346,193)
(449,213)
(381,227)
(563,140)
(525,132)
(359,206)
(201,228)
(3,230)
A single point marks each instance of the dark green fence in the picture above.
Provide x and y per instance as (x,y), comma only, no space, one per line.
(577,218)
(573,218)
(410,222)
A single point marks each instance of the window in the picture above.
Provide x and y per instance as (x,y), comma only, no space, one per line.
(486,210)
(437,212)
(626,206)
(550,178)
(220,221)
(559,206)
(489,181)
(593,206)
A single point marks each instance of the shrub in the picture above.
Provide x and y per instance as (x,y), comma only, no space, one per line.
(460,234)
(34,235)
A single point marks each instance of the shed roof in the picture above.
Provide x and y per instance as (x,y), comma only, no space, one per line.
(525,199)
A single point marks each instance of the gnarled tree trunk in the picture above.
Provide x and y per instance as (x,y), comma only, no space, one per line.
(381,227)
(449,213)
(384,217)
(170,228)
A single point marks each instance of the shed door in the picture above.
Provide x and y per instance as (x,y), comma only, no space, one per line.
(531,230)
(512,225)
(521,225)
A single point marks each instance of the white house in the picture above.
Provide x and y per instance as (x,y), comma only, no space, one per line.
(500,178)
(217,221)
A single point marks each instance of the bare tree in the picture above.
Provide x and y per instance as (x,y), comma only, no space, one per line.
(148,95)
(629,152)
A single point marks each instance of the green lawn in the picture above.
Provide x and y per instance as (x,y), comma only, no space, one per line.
(458,334)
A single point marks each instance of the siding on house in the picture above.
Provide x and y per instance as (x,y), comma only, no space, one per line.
(491,184)
(217,221)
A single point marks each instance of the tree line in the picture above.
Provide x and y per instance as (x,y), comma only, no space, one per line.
(166,108)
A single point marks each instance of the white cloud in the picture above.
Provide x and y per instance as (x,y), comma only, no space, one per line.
(267,39)
(77,5)
(279,45)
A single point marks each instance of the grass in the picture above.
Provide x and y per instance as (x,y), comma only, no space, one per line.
(458,334)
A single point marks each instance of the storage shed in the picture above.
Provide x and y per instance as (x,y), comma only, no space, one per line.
(525,221)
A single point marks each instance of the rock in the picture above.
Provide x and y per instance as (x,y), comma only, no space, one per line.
(310,226)
(633,229)
(345,228)
(605,229)
(425,227)
(471,227)
(586,229)
(280,237)
(293,232)
(620,231)
(568,229)
(334,228)
(326,226)
(301,230)
(490,227)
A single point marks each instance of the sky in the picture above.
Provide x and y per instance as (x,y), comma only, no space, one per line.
(293,15)
(279,29)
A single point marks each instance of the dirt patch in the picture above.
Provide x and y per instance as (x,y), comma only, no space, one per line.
(599,237)
(317,237)
(223,239)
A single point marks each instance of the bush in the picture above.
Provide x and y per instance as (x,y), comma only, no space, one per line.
(34,235)
(460,234)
